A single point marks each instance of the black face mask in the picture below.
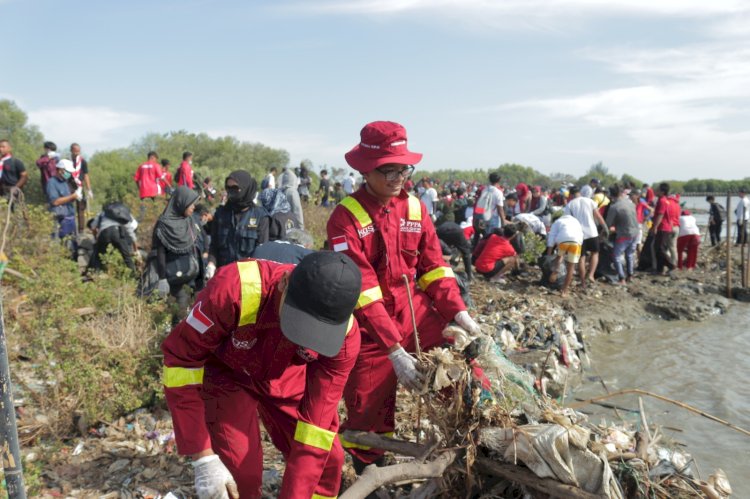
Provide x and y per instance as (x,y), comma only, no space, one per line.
(235,195)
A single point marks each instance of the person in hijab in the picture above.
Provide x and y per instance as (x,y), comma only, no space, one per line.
(239,226)
(288,184)
(278,208)
(177,258)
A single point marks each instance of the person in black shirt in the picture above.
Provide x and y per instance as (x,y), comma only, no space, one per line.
(14,174)
(325,188)
(715,219)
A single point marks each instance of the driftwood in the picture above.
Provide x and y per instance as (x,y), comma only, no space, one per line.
(527,478)
(373,477)
(390,444)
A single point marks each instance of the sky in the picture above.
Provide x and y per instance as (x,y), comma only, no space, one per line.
(659,89)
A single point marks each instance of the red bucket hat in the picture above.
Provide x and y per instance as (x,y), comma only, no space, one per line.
(382,142)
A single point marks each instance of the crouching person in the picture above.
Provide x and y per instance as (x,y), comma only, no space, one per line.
(114,226)
(265,341)
(567,235)
(498,256)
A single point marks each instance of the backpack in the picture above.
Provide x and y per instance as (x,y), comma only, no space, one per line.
(722,212)
(118,212)
(484,204)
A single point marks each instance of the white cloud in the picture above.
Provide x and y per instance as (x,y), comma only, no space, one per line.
(93,127)
(299,145)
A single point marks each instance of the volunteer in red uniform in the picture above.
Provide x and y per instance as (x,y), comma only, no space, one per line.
(270,340)
(388,234)
(185,171)
(148,176)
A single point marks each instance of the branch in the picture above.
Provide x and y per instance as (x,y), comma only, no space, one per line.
(523,476)
(373,477)
(386,443)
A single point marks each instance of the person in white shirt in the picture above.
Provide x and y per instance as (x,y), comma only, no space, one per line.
(742,215)
(566,234)
(534,222)
(269,182)
(429,197)
(587,190)
(584,210)
(348,184)
(689,240)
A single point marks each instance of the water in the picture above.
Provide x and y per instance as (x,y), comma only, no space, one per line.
(703,364)
(701,216)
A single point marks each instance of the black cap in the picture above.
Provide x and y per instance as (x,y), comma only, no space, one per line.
(322,293)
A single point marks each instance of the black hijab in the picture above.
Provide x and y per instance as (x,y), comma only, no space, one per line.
(246,195)
(173,229)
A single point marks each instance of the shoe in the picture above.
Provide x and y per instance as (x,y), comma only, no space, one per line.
(498,279)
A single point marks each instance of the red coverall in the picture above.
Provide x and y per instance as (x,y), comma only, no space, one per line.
(229,361)
(386,242)
(149,176)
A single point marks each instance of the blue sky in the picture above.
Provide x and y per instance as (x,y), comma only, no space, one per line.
(657,88)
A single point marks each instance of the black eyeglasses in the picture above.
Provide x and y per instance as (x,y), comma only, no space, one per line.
(392,175)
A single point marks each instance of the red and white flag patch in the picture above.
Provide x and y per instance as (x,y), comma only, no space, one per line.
(339,243)
(198,320)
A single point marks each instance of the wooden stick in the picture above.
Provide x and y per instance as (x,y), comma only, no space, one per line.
(417,348)
(395,445)
(527,478)
(690,408)
(729,246)
(643,418)
(743,274)
(373,477)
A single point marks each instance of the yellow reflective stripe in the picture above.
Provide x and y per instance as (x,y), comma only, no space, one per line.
(415,208)
(368,296)
(318,496)
(435,274)
(175,377)
(351,445)
(250,285)
(314,436)
(357,210)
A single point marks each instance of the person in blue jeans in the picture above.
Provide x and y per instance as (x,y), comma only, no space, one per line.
(61,198)
(622,220)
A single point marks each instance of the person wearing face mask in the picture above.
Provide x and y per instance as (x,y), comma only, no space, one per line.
(62,198)
(389,234)
(178,262)
(239,226)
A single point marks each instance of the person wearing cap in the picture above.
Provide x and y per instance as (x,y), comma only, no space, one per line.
(265,341)
(587,191)
(61,198)
(388,233)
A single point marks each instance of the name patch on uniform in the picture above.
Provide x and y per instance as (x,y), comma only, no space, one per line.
(252,223)
(411,226)
(243,345)
(339,243)
(198,320)
(366,231)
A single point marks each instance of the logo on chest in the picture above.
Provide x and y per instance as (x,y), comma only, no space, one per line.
(411,226)
(243,344)
(366,231)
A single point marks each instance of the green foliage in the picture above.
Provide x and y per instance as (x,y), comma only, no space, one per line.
(598,171)
(112,171)
(27,143)
(535,247)
(625,179)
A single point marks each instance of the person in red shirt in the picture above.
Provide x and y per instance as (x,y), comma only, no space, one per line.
(674,218)
(524,197)
(662,228)
(265,341)
(498,255)
(148,176)
(166,177)
(389,235)
(648,193)
(185,171)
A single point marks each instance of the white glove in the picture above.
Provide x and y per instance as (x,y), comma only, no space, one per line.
(210,270)
(90,194)
(79,193)
(163,288)
(464,320)
(406,369)
(213,480)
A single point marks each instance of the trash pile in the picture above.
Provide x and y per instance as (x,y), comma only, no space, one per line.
(540,336)
(501,438)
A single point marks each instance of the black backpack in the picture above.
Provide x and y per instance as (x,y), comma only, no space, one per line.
(118,212)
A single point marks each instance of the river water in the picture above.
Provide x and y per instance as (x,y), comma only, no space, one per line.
(703,364)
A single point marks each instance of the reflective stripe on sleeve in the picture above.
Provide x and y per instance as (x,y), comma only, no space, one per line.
(318,496)
(250,285)
(175,377)
(351,445)
(311,435)
(435,274)
(357,210)
(368,296)
(415,208)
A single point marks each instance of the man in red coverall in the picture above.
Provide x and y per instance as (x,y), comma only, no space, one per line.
(273,340)
(388,233)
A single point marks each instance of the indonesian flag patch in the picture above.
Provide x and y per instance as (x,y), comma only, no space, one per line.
(198,320)
(339,243)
